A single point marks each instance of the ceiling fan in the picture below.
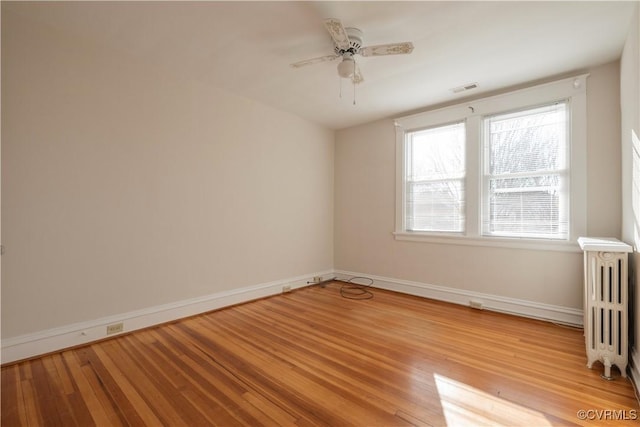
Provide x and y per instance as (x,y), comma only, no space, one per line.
(348,43)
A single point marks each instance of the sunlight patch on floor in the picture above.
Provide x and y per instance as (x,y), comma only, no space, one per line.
(464,405)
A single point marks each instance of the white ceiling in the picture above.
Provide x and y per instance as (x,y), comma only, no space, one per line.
(246,47)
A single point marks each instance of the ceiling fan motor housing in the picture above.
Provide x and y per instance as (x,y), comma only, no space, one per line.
(355,42)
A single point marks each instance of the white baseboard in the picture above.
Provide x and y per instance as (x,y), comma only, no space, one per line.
(50,340)
(536,310)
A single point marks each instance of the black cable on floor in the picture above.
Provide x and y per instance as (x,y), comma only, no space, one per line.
(354,290)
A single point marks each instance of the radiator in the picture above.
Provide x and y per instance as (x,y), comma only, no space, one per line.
(605,303)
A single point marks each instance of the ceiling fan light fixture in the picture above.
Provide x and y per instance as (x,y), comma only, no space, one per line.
(346,67)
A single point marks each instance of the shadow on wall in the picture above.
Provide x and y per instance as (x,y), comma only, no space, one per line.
(635,259)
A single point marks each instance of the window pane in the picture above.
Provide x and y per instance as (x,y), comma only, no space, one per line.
(436,153)
(528,141)
(526,173)
(435,179)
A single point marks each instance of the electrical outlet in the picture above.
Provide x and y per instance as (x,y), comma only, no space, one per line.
(286,288)
(475,304)
(115,328)
(317,279)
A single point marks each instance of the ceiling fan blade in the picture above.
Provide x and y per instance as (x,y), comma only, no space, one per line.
(337,32)
(314,61)
(387,49)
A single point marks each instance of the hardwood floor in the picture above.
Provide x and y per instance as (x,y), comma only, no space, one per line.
(311,357)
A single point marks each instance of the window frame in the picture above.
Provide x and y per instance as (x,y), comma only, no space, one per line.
(573,90)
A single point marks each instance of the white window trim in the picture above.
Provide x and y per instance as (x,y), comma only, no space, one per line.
(572,89)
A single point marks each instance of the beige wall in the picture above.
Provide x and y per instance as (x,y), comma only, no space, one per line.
(126,187)
(604,199)
(630,103)
(365,209)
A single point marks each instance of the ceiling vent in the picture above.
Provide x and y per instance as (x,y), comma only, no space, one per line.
(464,88)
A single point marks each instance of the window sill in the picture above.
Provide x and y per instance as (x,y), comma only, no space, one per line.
(497,242)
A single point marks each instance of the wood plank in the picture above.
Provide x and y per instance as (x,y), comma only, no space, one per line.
(174,407)
(35,415)
(311,358)
(87,393)
(115,414)
(11,398)
(49,396)
(131,408)
(64,391)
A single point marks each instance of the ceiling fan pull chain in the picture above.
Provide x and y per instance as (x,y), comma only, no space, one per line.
(354,91)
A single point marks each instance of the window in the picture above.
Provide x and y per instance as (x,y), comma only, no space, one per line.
(435,176)
(508,170)
(526,178)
